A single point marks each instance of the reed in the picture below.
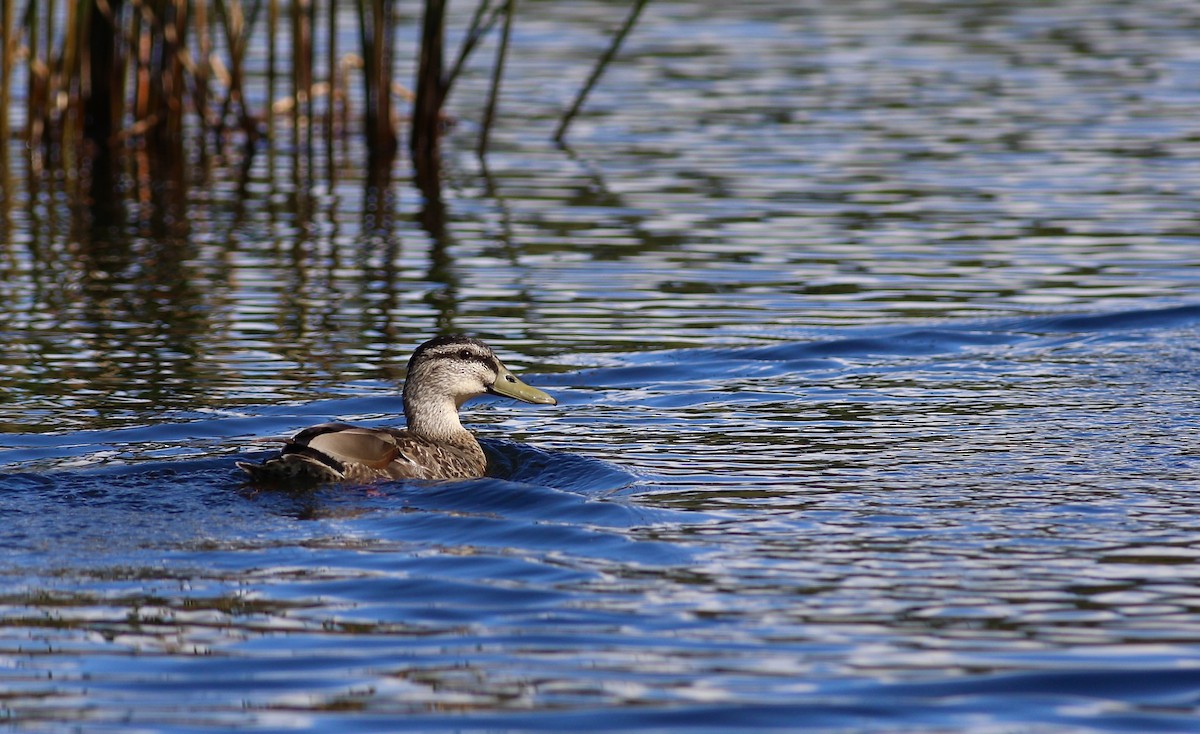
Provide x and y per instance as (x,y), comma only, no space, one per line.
(6,68)
(489,115)
(430,97)
(375,21)
(150,82)
(609,54)
(121,74)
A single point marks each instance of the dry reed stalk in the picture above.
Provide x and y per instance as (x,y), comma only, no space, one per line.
(39,84)
(51,76)
(237,27)
(115,72)
(302,76)
(601,65)
(489,114)
(174,35)
(141,68)
(475,32)
(160,154)
(68,76)
(7,51)
(375,20)
(431,95)
(199,70)
(102,102)
(332,65)
(272,52)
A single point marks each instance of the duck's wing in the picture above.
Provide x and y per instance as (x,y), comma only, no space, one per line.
(390,452)
(338,452)
(377,449)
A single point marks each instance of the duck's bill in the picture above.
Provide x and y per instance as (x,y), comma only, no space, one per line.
(510,386)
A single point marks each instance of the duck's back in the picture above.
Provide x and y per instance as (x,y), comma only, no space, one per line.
(458,459)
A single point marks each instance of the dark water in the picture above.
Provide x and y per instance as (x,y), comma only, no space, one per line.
(873,327)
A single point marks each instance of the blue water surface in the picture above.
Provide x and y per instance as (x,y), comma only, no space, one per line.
(874,331)
(968,526)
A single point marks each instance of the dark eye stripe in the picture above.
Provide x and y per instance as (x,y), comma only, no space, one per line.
(464,356)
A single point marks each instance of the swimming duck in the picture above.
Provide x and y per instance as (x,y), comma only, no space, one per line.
(443,373)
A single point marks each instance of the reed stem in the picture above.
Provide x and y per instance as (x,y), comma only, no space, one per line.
(431,94)
(100,104)
(144,77)
(475,32)
(601,65)
(332,67)
(6,68)
(489,114)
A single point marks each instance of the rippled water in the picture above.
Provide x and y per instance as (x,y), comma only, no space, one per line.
(873,327)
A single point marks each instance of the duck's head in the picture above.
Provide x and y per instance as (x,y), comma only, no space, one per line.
(462,368)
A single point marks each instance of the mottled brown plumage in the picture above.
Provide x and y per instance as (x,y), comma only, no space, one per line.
(443,374)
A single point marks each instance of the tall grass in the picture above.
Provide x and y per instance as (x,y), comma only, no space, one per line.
(147,83)
(127,76)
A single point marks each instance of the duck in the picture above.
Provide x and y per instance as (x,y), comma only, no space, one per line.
(442,375)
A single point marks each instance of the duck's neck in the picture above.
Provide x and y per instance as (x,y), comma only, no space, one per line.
(436,420)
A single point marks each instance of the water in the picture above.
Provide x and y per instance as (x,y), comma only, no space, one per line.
(873,327)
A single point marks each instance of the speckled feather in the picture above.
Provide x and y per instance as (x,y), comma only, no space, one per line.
(443,373)
(340,452)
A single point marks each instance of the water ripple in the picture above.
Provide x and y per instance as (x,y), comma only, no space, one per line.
(873,329)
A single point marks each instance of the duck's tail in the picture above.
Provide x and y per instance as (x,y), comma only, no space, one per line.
(296,465)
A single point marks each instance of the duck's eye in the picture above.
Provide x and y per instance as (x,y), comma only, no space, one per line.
(464,354)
